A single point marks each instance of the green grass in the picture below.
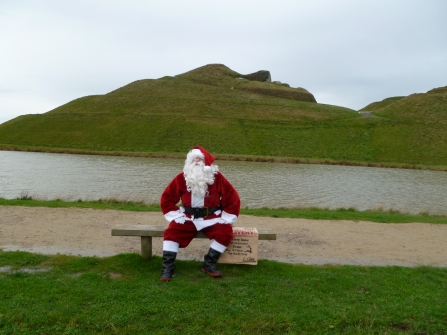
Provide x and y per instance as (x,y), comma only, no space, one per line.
(380,104)
(382,216)
(307,213)
(123,295)
(94,204)
(233,118)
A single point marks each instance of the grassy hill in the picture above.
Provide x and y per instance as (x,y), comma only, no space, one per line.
(427,107)
(380,104)
(419,123)
(235,116)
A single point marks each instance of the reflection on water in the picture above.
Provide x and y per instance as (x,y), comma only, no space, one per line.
(72,177)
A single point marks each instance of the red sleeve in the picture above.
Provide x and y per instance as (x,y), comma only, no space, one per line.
(230,200)
(171,195)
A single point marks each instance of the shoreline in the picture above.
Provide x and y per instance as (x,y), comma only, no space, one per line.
(247,158)
(311,213)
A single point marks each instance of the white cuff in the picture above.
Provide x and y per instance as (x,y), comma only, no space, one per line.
(170,246)
(217,246)
(230,218)
(172,215)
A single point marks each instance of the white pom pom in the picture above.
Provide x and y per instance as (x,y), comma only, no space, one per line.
(207,168)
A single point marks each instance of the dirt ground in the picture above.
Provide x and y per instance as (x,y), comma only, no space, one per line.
(87,232)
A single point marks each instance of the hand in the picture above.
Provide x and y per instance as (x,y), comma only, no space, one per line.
(180,220)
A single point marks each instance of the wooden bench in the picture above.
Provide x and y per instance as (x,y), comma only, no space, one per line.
(146,232)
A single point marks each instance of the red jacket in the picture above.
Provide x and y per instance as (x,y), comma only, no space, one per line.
(221,193)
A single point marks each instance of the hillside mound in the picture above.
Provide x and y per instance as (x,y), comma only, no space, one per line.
(208,91)
(257,82)
(211,74)
(223,110)
(438,90)
(380,104)
(430,106)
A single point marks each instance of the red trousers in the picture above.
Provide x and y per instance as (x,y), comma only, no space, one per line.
(184,233)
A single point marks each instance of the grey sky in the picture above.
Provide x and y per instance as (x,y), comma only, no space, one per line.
(346,52)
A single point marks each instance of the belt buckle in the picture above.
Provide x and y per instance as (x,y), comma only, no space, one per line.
(206,212)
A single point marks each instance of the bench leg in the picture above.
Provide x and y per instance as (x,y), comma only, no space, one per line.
(146,247)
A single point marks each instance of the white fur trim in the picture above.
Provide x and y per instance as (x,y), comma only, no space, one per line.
(197,152)
(194,153)
(201,223)
(170,246)
(230,218)
(207,168)
(172,215)
(217,246)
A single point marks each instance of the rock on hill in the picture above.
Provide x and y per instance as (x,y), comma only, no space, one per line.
(258,82)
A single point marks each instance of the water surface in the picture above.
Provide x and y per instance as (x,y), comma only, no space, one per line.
(87,177)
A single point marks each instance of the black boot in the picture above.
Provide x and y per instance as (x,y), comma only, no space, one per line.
(209,266)
(168,265)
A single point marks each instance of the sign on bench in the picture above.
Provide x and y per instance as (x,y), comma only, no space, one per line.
(243,249)
(146,232)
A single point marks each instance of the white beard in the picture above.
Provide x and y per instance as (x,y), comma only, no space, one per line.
(197,179)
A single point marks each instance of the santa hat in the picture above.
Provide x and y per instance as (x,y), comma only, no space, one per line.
(205,155)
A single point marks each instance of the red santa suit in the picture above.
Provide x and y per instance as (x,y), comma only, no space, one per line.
(221,198)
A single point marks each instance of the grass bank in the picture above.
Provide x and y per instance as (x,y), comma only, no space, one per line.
(123,295)
(306,213)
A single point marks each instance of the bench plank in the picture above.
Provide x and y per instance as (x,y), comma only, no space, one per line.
(146,232)
(157,231)
(138,230)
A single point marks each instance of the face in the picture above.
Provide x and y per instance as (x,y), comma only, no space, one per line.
(197,159)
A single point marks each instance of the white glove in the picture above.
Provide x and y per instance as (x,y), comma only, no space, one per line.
(180,220)
(224,222)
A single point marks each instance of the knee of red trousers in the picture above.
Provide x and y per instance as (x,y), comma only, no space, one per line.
(180,233)
(223,235)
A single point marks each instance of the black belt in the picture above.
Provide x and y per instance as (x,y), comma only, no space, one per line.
(201,212)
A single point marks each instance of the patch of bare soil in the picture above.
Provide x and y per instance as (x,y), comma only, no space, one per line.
(87,232)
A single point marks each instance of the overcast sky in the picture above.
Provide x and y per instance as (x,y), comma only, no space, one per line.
(345,52)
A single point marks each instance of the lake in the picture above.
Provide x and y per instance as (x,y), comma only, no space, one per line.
(89,177)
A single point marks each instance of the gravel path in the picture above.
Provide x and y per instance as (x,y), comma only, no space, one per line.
(88,232)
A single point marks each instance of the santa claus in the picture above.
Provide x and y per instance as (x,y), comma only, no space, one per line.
(209,203)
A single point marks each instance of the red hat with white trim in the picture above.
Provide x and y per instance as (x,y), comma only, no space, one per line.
(204,154)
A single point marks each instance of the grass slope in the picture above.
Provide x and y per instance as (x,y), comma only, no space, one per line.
(427,107)
(213,107)
(380,104)
(418,126)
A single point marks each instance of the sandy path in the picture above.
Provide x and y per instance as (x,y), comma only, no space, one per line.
(88,232)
